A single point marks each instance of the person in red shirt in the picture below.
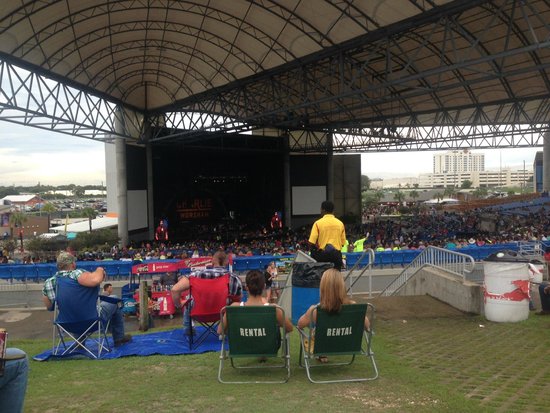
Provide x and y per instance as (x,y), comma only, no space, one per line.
(161,233)
(276,222)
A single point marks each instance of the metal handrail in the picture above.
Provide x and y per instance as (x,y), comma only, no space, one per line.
(366,268)
(452,261)
(531,248)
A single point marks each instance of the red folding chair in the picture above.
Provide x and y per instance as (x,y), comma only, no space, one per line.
(209,296)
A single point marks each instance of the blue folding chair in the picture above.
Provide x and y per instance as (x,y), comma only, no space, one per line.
(77,321)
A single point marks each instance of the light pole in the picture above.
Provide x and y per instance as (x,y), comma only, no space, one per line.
(524,180)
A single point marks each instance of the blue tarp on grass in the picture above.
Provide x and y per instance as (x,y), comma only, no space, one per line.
(172,342)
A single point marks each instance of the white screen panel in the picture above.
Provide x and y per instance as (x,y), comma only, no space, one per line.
(306,200)
(137,210)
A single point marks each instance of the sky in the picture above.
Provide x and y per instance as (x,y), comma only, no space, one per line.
(29,155)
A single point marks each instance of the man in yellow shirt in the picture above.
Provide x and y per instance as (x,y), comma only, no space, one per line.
(327,237)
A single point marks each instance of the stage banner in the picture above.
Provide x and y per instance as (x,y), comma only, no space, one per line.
(194,264)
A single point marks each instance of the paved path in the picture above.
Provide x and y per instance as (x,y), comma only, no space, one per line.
(37,324)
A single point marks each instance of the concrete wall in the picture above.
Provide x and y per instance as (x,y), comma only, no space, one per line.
(451,289)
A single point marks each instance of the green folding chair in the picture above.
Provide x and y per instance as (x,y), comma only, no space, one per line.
(341,334)
(253,332)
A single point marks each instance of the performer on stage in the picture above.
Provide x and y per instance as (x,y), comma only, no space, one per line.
(276,222)
(161,233)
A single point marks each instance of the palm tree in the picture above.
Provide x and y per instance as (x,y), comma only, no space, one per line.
(89,213)
(378,195)
(449,191)
(480,192)
(438,196)
(48,209)
(17,219)
(414,194)
(399,197)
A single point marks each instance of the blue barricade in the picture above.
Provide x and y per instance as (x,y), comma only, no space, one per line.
(22,272)
(5,272)
(259,262)
(44,271)
(386,258)
(123,269)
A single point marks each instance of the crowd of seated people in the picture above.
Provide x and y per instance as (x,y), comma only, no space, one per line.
(415,231)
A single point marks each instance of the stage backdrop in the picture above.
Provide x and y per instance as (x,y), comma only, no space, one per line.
(195,186)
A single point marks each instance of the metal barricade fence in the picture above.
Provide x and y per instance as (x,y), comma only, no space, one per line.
(366,268)
(455,262)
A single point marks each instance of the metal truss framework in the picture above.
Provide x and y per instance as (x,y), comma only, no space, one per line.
(420,139)
(377,83)
(421,84)
(30,99)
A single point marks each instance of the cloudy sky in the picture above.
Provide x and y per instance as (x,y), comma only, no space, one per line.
(29,155)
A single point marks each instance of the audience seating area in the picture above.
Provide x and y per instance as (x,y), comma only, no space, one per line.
(123,269)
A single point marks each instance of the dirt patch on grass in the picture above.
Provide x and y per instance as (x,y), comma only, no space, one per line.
(412,307)
(387,401)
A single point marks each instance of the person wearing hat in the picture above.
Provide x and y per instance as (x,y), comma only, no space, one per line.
(66,265)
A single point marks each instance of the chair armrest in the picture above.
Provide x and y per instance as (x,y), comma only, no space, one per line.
(302,332)
(112,300)
(235,298)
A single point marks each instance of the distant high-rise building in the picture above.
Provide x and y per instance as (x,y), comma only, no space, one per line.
(458,161)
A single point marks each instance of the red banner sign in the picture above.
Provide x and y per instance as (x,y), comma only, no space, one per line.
(194,264)
(156,267)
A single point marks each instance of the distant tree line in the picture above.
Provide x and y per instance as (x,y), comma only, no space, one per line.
(77,190)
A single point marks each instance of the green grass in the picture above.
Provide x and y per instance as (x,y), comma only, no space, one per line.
(414,377)
(461,364)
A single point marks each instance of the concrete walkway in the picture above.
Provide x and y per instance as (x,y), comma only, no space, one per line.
(23,323)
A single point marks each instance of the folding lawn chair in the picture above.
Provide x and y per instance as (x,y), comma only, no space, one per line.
(253,332)
(341,334)
(77,322)
(208,297)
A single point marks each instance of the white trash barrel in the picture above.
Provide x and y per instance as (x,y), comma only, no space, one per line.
(506,287)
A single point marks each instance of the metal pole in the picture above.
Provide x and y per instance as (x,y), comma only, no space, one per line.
(286,178)
(150,189)
(330,169)
(546,162)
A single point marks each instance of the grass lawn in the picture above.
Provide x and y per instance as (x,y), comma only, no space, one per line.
(461,364)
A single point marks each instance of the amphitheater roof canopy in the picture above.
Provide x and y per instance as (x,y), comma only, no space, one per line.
(357,67)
